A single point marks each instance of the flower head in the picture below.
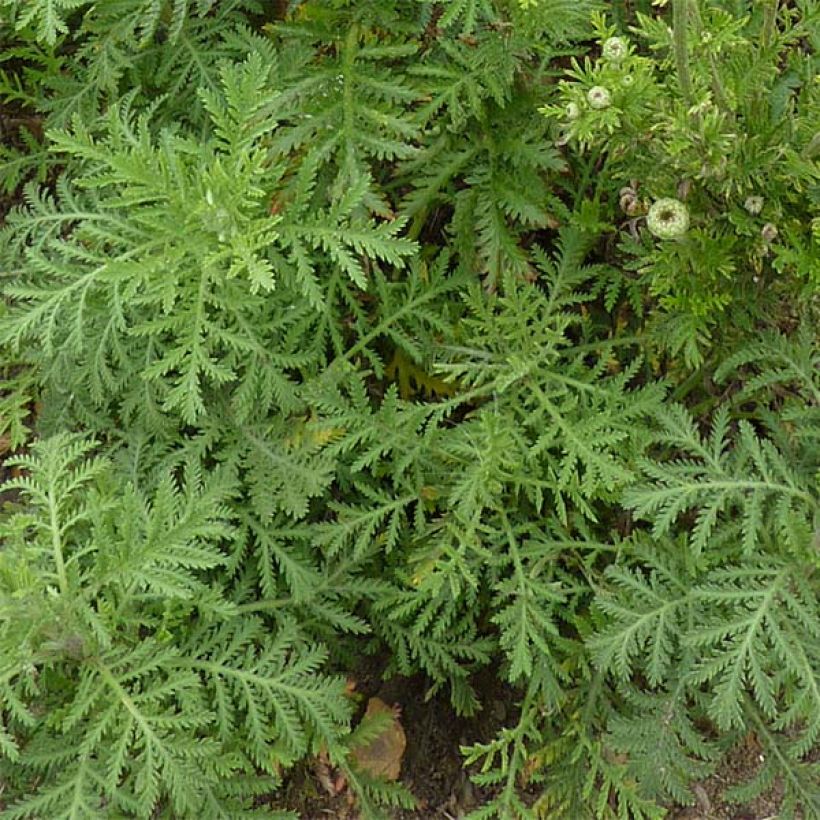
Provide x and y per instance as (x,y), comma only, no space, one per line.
(769,232)
(668,218)
(599,97)
(572,111)
(628,200)
(753,204)
(615,49)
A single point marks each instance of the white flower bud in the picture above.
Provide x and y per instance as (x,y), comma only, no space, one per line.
(668,218)
(615,49)
(753,204)
(572,111)
(629,203)
(628,200)
(599,97)
(769,232)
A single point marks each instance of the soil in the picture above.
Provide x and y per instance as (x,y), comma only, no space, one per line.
(433,771)
(432,767)
(740,766)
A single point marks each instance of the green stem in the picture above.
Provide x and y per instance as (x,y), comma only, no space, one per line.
(680,31)
(150,737)
(769,23)
(718,89)
(57,545)
(264,605)
(350,52)
(689,384)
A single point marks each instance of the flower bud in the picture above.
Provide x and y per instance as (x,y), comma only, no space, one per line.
(629,204)
(668,218)
(753,204)
(769,232)
(572,111)
(628,200)
(599,97)
(615,49)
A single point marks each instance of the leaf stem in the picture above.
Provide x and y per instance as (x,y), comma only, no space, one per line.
(57,543)
(769,23)
(680,39)
(718,89)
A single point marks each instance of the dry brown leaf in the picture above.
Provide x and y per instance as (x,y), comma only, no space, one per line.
(382,756)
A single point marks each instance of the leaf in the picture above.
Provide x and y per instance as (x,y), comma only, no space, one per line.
(382,755)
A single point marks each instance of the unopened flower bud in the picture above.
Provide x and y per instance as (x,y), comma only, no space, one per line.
(599,97)
(629,204)
(615,49)
(628,200)
(572,111)
(668,218)
(753,204)
(769,232)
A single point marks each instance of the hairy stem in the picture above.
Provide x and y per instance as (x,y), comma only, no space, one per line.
(680,32)
(769,23)
(718,89)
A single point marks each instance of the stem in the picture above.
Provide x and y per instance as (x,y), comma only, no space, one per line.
(57,545)
(718,89)
(350,52)
(264,605)
(680,30)
(769,23)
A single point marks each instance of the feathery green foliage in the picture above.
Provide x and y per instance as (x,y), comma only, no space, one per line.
(128,674)
(478,337)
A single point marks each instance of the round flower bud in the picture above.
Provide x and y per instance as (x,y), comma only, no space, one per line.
(627,80)
(753,204)
(769,232)
(668,218)
(615,49)
(599,97)
(629,203)
(572,111)
(628,200)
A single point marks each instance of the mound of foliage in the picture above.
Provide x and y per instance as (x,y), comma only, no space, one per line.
(478,333)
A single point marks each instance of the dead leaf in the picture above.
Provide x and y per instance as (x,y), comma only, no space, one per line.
(382,756)
(321,769)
